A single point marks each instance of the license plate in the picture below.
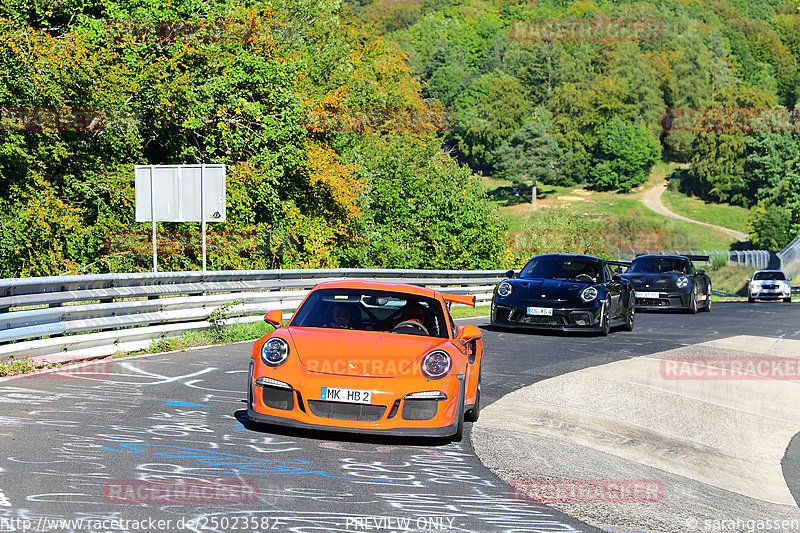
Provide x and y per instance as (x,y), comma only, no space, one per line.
(647,294)
(333,394)
(540,311)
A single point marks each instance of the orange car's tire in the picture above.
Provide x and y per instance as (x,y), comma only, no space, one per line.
(250,387)
(459,434)
(473,414)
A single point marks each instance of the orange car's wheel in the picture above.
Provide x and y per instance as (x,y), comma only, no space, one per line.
(475,412)
(250,387)
(460,415)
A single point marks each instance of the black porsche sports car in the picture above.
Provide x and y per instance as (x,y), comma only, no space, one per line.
(670,282)
(565,292)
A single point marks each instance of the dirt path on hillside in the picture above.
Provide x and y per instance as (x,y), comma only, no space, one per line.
(652,200)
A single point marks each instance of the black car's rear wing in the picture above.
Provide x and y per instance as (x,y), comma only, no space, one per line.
(690,257)
(619,263)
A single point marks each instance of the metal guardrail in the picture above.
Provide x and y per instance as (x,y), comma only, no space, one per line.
(755,259)
(724,294)
(102,314)
(715,292)
(790,256)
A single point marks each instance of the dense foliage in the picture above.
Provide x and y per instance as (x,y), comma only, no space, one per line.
(605,98)
(308,109)
(352,130)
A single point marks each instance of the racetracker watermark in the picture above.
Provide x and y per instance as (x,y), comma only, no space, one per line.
(41,118)
(729,368)
(583,30)
(407,119)
(187,243)
(99,370)
(361,367)
(589,490)
(180,492)
(61,119)
(731,120)
(203,523)
(173,31)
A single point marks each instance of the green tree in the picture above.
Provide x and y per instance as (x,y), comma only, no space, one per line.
(437,218)
(717,165)
(580,113)
(532,153)
(625,154)
(771,157)
(769,226)
(488,113)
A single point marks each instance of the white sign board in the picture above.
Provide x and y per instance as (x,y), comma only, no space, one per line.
(180,193)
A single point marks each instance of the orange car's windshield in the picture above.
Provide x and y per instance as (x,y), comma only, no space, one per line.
(371,310)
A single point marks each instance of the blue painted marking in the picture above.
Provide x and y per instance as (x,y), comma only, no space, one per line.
(184,404)
(240,464)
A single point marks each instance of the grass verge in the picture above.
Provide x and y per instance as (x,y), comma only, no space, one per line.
(731,279)
(465,311)
(14,366)
(206,337)
(728,216)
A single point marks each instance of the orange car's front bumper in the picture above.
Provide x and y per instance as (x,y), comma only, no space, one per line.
(390,412)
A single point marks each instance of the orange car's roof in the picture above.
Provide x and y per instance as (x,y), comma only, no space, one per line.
(377,285)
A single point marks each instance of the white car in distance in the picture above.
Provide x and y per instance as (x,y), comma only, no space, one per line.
(769,285)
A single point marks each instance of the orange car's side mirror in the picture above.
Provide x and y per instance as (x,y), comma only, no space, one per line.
(275,318)
(470,332)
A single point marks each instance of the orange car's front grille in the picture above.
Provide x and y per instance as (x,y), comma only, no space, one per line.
(419,409)
(278,398)
(346,411)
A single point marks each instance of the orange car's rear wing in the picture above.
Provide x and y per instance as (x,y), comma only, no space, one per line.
(459,299)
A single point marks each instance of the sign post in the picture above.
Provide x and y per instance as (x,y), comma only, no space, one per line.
(180,193)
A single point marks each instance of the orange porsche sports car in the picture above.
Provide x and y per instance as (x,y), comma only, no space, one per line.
(369,357)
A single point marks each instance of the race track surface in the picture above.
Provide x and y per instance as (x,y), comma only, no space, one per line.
(94,445)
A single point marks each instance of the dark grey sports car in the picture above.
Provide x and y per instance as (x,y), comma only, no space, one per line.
(564,292)
(670,282)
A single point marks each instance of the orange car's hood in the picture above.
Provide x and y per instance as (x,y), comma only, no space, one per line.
(359,353)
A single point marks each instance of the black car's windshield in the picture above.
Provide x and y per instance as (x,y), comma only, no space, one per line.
(769,275)
(372,310)
(563,268)
(660,265)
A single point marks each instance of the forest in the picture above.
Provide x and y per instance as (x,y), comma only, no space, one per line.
(355,133)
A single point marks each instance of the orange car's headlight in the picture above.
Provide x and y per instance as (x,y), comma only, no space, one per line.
(275,352)
(436,364)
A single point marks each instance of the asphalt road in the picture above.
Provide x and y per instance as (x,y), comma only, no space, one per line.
(80,446)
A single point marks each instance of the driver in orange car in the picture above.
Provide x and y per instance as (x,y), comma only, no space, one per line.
(413,311)
(340,317)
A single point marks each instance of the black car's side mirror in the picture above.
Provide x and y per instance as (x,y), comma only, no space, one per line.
(700,272)
(510,274)
(618,270)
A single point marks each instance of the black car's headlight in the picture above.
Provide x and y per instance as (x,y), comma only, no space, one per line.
(682,282)
(588,294)
(504,289)
(275,352)
(436,364)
